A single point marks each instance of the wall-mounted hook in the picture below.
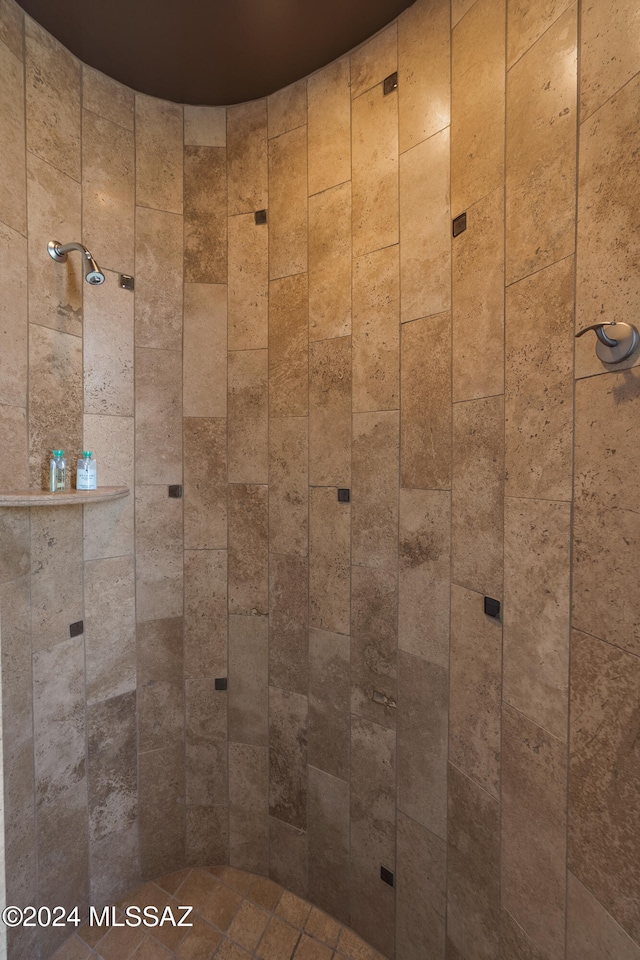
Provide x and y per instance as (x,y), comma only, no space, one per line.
(617,344)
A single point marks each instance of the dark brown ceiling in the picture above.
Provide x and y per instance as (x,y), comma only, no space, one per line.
(211,51)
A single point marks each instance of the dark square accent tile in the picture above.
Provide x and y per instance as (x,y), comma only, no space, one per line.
(261,216)
(492,607)
(390,83)
(344,495)
(175,491)
(387,876)
(459,224)
(220,683)
(77,628)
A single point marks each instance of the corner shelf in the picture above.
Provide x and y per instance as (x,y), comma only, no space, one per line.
(43,498)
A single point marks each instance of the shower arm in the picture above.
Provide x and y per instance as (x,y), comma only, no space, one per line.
(59,251)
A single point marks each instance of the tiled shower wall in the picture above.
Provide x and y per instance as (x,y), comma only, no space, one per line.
(374,714)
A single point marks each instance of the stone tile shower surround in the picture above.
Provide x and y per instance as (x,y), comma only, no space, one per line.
(349,342)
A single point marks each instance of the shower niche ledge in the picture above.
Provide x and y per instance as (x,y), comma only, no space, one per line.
(43,498)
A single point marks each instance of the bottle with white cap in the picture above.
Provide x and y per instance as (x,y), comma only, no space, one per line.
(86,474)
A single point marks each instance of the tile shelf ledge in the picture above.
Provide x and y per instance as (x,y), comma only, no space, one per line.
(44,498)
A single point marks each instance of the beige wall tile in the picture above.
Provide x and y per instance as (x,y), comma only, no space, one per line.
(477,104)
(420,895)
(423,705)
(374,541)
(161,804)
(288,757)
(374,643)
(158,416)
(475,691)
(13,188)
(527,22)
(609,52)
(247,157)
(248,283)
(329,843)
(426,403)
(287,108)
(478,301)
(534,830)
(248,808)
(159,154)
(289,347)
(288,203)
(204,447)
(606,523)
(160,684)
(477,495)
(541,151)
(288,486)
(459,8)
(13,428)
(248,681)
(515,943)
(424,574)
(207,839)
(108,527)
(289,623)
(329,557)
(330,263)
(248,406)
(608,248)
(425,251)
(113,864)
(107,98)
(159,288)
(329,105)
(424,63)
(374,60)
(53,122)
(330,411)
(206,743)
(329,704)
(205,614)
(287,857)
(110,627)
(205,219)
(376,331)
(12,26)
(108,351)
(204,354)
(248,549)
(374,136)
(13,317)
(159,545)
(592,934)
(108,162)
(604,784)
(205,126)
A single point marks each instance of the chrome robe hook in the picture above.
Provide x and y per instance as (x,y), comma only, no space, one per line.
(617,344)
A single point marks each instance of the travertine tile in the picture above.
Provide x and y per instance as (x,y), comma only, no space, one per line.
(110,627)
(537,567)
(374,60)
(159,546)
(329,106)
(477,495)
(374,135)
(473,868)
(108,352)
(288,856)
(609,52)
(515,943)
(207,837)
(56,587)
(424,556)
(53,122)
(541,151)
(423,704)
(287,108)
(206,743)
(248,411)
(13,318)
(161,806)
(421,892)
(476,673)
(329,558)
(160,686)
(606,523)
(248,807)
(205,483)
(159,288)
(477,104)
(248,272)
(606,269)
(459,8)
(13,188)
(374,643)
(330,263)
(204,375)
(248,682)
(330,406)
(534,830)
(12,26)
(248,549)
(107,98)
(205,214)
(527,23)
(288,757)
(604,792)
(425,251)
(423,72)
(247,157)
(289,347)
(205,613)
(248,924)
(292,909)
(158,416)
(288,623)
(13,427)
(592,934)
(288,486)
(55,289)
(205,126)
(108,527)
(288,203)
(329,703)
(374,538)
(329,843)
(159,154)
(108,162)
(376,331)
(279,937)
(426,403)
(478,301)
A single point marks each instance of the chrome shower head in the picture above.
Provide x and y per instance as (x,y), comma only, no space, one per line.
(92,272)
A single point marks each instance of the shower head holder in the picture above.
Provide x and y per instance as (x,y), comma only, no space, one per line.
(617,344)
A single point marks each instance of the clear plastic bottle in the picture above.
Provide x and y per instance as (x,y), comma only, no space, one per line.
(86,473)
(57,472)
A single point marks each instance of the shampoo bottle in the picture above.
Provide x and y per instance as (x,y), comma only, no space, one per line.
(86,474)
(57,472)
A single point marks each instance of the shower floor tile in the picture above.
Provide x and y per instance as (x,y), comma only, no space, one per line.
(236,916)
